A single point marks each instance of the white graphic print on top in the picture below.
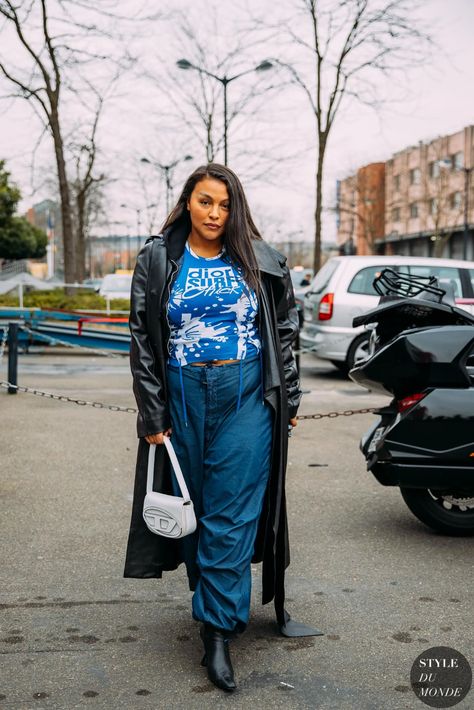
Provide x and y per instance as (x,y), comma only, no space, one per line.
(204,281)
(210,313)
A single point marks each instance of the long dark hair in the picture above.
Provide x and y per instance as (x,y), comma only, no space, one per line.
(240,228)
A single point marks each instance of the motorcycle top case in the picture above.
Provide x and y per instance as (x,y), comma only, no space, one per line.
(419,359)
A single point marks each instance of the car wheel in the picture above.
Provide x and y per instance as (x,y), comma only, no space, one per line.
(359,349)
(448,513)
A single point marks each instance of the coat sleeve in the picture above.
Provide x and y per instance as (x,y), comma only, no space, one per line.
(288,325)
(149,392)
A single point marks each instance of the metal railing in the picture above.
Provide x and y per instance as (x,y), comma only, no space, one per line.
(13,268)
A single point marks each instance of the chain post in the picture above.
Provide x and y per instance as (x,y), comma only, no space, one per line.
(12,356)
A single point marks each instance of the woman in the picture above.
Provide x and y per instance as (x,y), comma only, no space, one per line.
(212,322)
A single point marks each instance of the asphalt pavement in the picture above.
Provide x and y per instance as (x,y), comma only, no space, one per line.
(75,634)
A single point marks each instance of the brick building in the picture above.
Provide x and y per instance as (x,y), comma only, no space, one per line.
(361,209)
(427,208)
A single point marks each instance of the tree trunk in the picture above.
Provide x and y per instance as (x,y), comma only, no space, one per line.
(80,238)
(209,142)
(66,217)
(440,245)
(319,204)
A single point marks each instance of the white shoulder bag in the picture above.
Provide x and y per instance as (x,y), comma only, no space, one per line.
(170,516)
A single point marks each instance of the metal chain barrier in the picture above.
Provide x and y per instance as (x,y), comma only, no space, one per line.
(51,395)
(333,415)
(65,398)
(133,410)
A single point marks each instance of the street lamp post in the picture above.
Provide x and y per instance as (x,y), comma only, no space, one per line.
(138,211)
(129,256)
(225,81)
(166,170)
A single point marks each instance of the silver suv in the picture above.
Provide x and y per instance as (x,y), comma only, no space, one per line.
(343,289)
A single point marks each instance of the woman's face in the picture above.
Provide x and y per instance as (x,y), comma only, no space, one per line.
(209,207)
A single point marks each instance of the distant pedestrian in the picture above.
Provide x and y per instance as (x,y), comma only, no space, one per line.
(213,320)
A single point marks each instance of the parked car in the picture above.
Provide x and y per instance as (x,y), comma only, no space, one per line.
(301,279)
(116,286)
(342,289)
(93,283)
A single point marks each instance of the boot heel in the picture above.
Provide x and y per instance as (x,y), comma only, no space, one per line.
(204,660)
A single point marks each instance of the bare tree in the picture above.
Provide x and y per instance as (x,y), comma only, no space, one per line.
(220,99)
(87,185)
(349,43)
(85,193)
(48,61)
(442,199)
(41,84)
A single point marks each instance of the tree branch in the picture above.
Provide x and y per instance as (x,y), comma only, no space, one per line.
(27,91)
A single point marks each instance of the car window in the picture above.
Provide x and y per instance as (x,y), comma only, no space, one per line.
(323,276)
(364,279)
(297,276)
(471,276)
(446,275)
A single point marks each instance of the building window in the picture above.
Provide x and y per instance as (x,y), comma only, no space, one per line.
(396,182)
(415,176)
(433,169)
(413,210)
(433,206)
(457,161)
(396,214)
(455,200)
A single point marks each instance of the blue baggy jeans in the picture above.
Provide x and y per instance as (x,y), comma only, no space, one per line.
(225,453)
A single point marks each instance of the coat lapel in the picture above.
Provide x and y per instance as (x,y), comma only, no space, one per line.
(267,258)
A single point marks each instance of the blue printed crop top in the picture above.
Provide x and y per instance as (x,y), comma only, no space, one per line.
(211,312)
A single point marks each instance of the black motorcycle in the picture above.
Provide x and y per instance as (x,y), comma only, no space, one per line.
(422,355)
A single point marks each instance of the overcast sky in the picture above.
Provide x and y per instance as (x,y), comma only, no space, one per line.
(437,99)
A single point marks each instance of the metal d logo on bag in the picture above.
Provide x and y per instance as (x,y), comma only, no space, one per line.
(161,520)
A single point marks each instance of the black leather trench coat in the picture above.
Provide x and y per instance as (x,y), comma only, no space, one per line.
(148,555)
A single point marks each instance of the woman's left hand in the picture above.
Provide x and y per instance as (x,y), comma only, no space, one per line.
(293,422)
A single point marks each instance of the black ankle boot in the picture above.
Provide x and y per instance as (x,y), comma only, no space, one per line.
(217,658)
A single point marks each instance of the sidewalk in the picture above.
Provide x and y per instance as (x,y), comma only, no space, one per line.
(74,633)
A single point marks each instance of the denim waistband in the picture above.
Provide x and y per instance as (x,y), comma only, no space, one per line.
(241,362)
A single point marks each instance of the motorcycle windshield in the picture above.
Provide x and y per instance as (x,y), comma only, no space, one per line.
(418,359)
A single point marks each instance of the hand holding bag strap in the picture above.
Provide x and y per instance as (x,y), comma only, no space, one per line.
(175,464)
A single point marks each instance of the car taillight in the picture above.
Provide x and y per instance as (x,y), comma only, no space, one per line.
(326,305)
(410,401)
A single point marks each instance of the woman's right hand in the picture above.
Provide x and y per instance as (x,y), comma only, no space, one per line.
(158,438)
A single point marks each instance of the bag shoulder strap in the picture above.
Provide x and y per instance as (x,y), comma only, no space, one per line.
(174,463)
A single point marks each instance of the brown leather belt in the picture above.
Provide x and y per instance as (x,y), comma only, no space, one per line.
(212,362)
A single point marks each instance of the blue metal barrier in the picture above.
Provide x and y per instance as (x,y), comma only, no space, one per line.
(82,334)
